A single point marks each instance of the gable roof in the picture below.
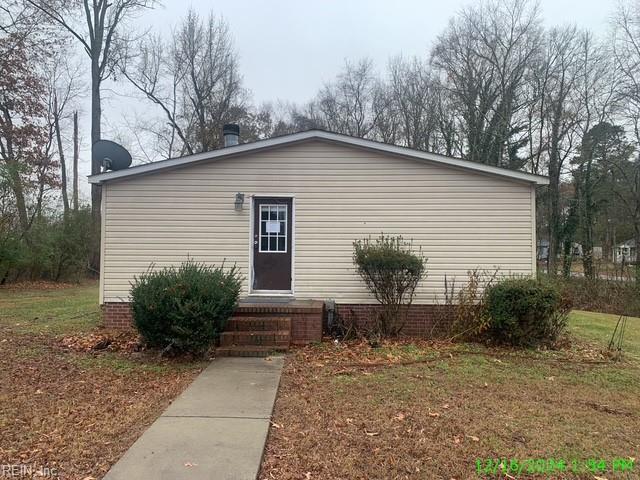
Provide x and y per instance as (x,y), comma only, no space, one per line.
(318,135)
(629,243)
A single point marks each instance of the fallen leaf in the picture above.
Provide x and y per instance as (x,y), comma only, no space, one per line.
(276,425)
(434,414)
(399,416)
(474,438)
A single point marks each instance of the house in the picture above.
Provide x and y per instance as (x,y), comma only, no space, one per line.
(286,210)
(626,252)
(576,250)
(543,249)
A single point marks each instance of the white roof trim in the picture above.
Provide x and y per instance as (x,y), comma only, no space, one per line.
(318,134)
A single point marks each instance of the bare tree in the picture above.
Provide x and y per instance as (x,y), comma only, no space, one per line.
(347,105)
(414,99)
(193,79)
(63,89)
(482,59)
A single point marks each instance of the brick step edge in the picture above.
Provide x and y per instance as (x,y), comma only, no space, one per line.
(278,309)
(263,337)
(249,351)
(245,324)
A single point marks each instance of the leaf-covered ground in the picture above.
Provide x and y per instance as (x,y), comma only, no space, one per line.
(430,411)
(74,397)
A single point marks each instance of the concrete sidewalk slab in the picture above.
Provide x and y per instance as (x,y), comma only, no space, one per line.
(243,388)
(216,429)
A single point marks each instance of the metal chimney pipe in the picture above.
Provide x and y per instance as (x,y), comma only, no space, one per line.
(231,134)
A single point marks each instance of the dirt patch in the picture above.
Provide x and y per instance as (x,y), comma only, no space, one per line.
(433,410)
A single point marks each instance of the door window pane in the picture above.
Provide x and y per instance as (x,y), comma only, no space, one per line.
(273,228)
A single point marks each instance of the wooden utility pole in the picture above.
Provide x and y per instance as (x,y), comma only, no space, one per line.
(76,155)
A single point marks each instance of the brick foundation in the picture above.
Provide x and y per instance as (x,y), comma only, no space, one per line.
(423,321)
(116,315)
(307,322)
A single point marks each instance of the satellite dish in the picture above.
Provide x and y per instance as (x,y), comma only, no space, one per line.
(111,155)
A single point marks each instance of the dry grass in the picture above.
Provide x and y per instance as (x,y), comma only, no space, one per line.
(431,410)
(64,408)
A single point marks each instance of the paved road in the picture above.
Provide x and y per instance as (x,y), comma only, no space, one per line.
(216,429)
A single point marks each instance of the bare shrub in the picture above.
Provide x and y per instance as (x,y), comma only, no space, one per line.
(460,314)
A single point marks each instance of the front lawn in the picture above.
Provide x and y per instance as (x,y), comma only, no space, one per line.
(65,407)
(433,410)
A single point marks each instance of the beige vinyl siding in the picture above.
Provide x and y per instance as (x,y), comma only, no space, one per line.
(461,219)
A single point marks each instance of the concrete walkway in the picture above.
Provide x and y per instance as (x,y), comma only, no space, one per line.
(216,429)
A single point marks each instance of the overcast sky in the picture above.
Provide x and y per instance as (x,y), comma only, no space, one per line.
(288,48)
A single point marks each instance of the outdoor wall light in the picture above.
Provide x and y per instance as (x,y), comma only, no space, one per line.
(239,201)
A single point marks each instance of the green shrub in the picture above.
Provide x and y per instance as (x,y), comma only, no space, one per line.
(57,247)
(183,309)
(525,312)
(391,270)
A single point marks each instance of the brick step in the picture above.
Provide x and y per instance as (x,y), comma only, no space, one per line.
(249,351)
(280,338)
(256,324)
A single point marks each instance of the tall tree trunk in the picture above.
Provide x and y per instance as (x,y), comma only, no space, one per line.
(555,239)
(587,224)
(76,156)
(21,204)
(555,234)
(568,236)
(63,163)
(637,239)
(96,193)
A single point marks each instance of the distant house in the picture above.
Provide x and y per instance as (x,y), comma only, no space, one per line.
(543,250)
(626,252)
(287,210)
(576,248)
